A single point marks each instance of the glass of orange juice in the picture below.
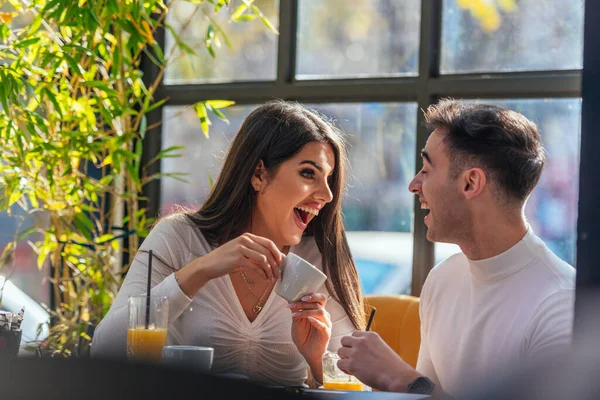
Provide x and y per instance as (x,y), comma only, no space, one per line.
(336,379)
(147,333)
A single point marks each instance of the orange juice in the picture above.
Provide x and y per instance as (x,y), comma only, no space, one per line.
(339,385)
(146,344)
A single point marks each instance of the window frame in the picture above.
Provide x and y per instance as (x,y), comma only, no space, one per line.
(424,89)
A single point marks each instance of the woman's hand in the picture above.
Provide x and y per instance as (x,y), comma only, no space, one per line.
(311,329)
(246,251)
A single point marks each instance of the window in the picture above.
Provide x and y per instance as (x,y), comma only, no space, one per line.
(22,270)
(511,35)
(370,38)
(552,207)
(374,66)
(251,57)
(378,208)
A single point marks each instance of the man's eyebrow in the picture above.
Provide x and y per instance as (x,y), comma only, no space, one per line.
(425,155)
(314,164)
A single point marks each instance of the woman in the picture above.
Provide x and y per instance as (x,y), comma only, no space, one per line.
(279,191)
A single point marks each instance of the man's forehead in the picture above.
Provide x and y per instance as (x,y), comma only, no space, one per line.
(436,142)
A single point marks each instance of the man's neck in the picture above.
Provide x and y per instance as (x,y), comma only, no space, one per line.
(493,236)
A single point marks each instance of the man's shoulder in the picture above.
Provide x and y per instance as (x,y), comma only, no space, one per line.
(444,274)
(450,265)
(551,266)
(551,275)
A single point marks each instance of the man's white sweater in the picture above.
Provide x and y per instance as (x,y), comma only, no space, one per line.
(487,317)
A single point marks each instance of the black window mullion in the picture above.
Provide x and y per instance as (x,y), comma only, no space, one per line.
(153,140)
(514,85)
(429,56)
(587,319)
(286,49)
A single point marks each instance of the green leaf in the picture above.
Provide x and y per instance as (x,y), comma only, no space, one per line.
(131,169)
(187,49)
(107,161)
(85,225)
(159,53)
(26,43)
(153,106)
(220,103)
(152,58)
(53,100)
(72,64)
(26,233)
(208,41)
(246,18)
(101,86)
(104,238)
(44,251)
(139,148)
(211,182)
(143,127)
(166,153)
(264,19)
(204,121)
(217,112)
(34,25)
(241,9)
(220,4)
(14,197)
(4,31)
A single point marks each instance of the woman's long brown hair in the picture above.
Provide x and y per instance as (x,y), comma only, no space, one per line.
(273,133)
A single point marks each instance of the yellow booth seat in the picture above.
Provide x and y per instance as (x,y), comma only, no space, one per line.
(397,322)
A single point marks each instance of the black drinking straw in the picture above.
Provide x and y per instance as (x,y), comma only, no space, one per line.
(148,288)
(373,309)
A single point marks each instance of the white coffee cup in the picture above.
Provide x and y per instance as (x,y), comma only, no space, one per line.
(298,278)
(197,358)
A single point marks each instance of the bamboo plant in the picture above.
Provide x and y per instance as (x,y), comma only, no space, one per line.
(73,117)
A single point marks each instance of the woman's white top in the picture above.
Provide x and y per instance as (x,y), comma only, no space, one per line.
(262,350)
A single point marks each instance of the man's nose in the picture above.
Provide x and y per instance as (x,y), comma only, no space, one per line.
(415,185)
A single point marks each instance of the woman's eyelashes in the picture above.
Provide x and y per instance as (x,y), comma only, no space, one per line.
(308,173)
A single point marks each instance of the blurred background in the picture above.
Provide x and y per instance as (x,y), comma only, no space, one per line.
(363,41)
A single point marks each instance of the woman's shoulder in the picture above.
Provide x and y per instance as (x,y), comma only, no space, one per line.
(174,222)
(180,231)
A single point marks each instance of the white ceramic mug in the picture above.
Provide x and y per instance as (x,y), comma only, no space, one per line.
(197,358)
(298,278)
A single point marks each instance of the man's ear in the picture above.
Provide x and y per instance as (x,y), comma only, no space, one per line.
(259,177)
(472,182)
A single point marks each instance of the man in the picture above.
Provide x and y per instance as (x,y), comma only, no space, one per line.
(506,299)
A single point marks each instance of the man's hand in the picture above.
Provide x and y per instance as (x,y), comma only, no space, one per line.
(367,356)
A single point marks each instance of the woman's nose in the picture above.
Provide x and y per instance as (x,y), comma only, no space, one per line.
(325,193)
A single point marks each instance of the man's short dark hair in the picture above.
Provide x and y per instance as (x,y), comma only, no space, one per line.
(502,142)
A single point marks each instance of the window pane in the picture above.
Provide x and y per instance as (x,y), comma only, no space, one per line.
(22,269)
(552,208)
(511,35)
(253,55)
(378,210)
(370,38)
(201,157)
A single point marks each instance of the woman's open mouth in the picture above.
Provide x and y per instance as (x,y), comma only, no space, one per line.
(303,215)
